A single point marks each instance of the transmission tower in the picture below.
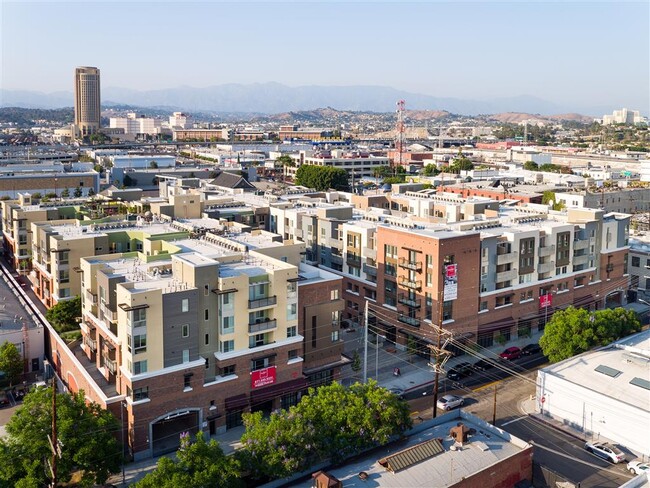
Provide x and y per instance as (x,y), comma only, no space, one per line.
(399,141)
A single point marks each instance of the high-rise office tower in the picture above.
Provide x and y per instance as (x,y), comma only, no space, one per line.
(87,104)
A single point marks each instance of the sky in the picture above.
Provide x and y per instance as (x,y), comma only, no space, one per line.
(583,53)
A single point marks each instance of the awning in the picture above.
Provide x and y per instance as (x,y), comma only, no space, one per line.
(268,393)
(127,308)
(224,292)
(237,402)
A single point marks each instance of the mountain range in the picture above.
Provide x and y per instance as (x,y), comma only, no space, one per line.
(268,98)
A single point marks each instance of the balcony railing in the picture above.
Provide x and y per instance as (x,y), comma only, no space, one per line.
(111,365)
(262,326)
(414,285)
(413,265)
(546,251)
(262,302)
(353,260)
(413,303)
(91,343)
(405,319)
(371,270)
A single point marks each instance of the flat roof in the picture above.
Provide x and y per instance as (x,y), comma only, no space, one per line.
(629,358)
(487,446)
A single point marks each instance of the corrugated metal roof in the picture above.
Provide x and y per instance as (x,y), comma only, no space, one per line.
(412,455)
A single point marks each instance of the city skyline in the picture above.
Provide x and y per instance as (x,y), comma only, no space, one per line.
(563,53)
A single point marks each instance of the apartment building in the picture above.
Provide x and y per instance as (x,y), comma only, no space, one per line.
(625,200)
(639,266)
(357,164)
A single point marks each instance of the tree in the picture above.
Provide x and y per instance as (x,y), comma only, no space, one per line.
(322,178)
(330,423)
(86,435)
(461,163)
(431,170)
(91,192)
(356,362)
(65,193)
(573,331)
(153,164)
(531,166)
(78,192)
(63,315)
(11,362)
(200,464)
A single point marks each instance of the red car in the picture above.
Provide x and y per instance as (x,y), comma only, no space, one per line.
(511,353)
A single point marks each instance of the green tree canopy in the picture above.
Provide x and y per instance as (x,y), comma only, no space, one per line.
(431,170)
(531,166)
(461,163)
(65,193)
(85,431)
(11,362)
(153,164)
(78,192)
(576,330)
(63,315)
(285,160)
(200,464)
(322,178)
(331,423)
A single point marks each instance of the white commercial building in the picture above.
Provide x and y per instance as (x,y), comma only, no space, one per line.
(143,161)
(603,393)
(624,116)
(179,119)
(136,124)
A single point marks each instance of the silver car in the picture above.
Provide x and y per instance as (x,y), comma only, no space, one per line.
(448,402)
(606,451)
(637,467)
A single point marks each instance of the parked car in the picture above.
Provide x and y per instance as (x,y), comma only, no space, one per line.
(637,467)
(511,353)
(460,371)
(606,451)
(398,392)
(529,349)
(448,402)
(484,364)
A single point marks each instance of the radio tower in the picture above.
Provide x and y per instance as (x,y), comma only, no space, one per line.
(399,141)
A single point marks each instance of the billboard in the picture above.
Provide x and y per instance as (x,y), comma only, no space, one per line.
(263,377)
(451,282)
(545,300)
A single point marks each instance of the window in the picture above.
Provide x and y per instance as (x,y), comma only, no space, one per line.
(187,380)
(139,367)
(526,295)
(140,393)
(259,364)
(257,340)
(336,316)
(139,343)
(292,331)
(207,339)
(227,346)
(64,276)
(429,260)
(335,336)
(185,330)
(334,294)
(390,269)
(292,311)
(428,306)
(447,310)
(636,261)
(206,314)
(139,318)
(483,306)
(227,325)
(206,290)
(390,251)
(390,297)
(226,298)
(185,305)
(228,370)
(186,355)
(293,354)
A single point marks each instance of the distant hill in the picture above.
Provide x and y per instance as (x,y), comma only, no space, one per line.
(270,98)
(517,117)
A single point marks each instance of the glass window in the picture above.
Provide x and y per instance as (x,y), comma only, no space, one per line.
(292,331)
(227,346)
(227,325)
(185,305)
(185,330)
(140,367)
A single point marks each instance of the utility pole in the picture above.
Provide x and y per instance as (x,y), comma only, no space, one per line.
(365,343)
(494,408)
(440,353)
(54,440)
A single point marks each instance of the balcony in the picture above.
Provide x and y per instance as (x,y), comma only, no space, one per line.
(413,303)
(108,313)
(412,265)
(90,343)
(111,365)
(580,260)
(544,268)
(507,258)
(510,275)
(91,297)
(580,244)
(370,270)
(546,251)
(262,302)
(336,259)
(262,326)
(353,260)
(413,285)
(405,319)
(335,244)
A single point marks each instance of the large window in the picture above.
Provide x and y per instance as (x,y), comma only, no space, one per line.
(227,325)
(227,346)
(139,318)
(139,343)
(139,367)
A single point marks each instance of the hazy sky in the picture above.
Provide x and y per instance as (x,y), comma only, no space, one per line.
(579,52)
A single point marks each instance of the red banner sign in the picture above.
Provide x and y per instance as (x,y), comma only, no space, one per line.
(263,377)
(545,300)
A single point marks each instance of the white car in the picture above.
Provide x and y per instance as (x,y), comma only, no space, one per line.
(606,451)
(637,467)
(448,402)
